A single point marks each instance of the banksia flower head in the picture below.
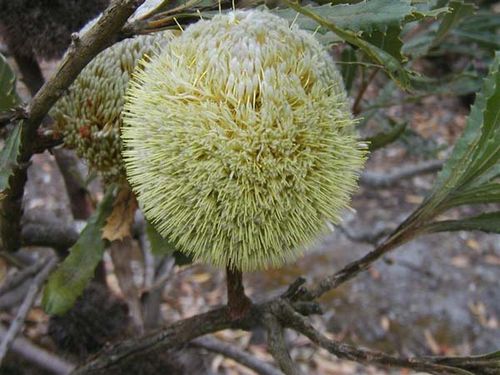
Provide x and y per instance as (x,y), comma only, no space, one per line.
(89,116)
(239,142)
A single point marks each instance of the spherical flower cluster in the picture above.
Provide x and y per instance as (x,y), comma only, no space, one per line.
(89,115)
(239,142)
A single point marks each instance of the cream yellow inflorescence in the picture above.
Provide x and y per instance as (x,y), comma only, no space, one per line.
(89,115)
(239,142)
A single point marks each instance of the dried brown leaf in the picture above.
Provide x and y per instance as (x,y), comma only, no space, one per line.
(119,223)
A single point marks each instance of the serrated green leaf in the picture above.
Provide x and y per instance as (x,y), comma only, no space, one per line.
(421,13)
(473,164)
(159,246)
(483,20)
(388,40)
(458,11)
(487,193)
(477,152)
(8,95)
(457,84)
(8,156)
(488,40)
(390,64)
(487,222)
(437,33)
(384,138)
(69,280)
(363,16)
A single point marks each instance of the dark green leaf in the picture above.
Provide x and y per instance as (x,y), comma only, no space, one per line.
(459,10)
(182,259)
(387,39)
(487,222)
(487,193)
(435,35)
(384,138)
(8,95)
(363,16)
(477,152)
(348,67)
(457,84)
(69,280)
(420,13)
(8,156)
(390,64)
(159,246)
(472,168)
(488,40)
(483,20)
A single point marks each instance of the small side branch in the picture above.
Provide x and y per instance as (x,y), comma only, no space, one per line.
(361,355)
(383,180)
(177,334)
(277,345)
(25,307)
(236,354)
(20,276)
(38,356)
(350,271)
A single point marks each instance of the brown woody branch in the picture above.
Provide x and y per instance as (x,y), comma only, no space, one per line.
(230,351)
(344,351)
(279,313)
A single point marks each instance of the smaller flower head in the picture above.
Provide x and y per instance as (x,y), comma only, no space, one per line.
(89,116)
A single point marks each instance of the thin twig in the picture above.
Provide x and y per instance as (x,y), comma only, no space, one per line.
(152,297)
(352,269)
(20,276)
(38,356)
(364,235)
(277,345)
(163,274)
(361,355)
(383,180)
(179,333)
(357,102)
(230,351)
(25,307)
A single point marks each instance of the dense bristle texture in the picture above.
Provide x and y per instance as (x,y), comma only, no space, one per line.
(89,115)
(239,142)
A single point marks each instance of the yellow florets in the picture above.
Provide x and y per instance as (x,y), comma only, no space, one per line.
(89,115)
(239,142)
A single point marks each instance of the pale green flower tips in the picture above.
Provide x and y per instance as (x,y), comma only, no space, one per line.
(89,115)
(239,142)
